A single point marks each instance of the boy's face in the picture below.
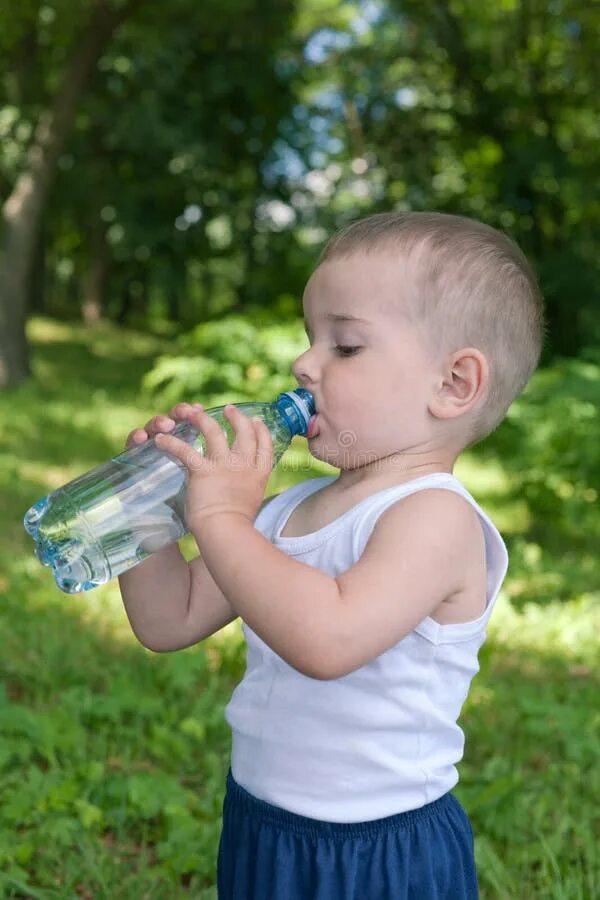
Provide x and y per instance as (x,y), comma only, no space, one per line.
(368,368)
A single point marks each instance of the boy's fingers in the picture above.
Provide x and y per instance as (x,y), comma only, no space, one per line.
(183,410)
(190,458)
(215,438)
(135,438)
(160,423)
(264,445)
(245,433)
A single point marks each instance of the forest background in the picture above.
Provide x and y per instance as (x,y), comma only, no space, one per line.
(168,175)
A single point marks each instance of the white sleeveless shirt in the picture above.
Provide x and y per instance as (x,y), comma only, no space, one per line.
(383,739)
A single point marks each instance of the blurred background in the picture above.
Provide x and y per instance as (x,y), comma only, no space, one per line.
(168,175)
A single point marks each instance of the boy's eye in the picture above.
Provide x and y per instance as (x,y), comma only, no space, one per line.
(343,350)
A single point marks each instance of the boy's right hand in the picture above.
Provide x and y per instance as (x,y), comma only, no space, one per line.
(160,424)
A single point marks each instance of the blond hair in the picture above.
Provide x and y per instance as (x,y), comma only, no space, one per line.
(473,288)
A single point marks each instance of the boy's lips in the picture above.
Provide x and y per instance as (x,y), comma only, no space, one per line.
(313,427)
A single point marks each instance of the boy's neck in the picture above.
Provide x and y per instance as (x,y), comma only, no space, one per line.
(397,468)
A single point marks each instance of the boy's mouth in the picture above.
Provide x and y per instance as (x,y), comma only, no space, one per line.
(313,427)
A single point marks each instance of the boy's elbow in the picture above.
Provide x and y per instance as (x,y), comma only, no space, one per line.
(323,664)
(157,643)
(324,671)
(157,647)
(329,655)
(150,643)
(317,672)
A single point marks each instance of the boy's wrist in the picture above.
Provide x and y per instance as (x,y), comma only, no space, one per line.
(214,518)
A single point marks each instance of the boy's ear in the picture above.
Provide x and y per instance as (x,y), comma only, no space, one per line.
(463,382)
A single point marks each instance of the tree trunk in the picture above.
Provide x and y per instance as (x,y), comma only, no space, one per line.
(92,308)
(126,303)
(22,211)
(37,281)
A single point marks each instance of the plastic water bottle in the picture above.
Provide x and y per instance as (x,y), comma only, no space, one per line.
(113,517)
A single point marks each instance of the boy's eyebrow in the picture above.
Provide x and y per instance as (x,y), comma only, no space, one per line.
(341,317)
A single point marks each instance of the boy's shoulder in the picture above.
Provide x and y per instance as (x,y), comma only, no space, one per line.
(432,511)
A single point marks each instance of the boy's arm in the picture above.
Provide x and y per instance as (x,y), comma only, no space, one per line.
(323,626)
(172,604)
(326,627)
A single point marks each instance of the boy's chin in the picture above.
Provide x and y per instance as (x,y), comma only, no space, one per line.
(338,458)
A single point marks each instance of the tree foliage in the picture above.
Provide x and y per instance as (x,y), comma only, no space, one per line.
(216,145)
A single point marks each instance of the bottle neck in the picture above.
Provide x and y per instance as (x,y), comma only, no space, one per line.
(295,409)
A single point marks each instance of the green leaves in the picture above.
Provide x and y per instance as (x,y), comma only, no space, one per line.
(232,359)
(548,446)
(112,760)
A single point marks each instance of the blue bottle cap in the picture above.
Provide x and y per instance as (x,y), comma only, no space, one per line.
(296,408)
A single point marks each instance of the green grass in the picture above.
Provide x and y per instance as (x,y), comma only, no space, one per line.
(112,759)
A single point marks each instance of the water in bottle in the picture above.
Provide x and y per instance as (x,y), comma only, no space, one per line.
(113,517)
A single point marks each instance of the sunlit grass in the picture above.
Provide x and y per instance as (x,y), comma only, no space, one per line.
(569,630)
(112,759)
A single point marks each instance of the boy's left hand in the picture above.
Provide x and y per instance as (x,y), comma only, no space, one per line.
(225,479)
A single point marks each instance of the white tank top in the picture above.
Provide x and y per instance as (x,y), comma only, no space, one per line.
(383,739)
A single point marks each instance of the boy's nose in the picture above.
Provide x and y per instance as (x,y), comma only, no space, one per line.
(304,368)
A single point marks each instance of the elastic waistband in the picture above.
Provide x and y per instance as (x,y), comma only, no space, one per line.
(266,812)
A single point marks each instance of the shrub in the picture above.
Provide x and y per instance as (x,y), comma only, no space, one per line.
(227,360)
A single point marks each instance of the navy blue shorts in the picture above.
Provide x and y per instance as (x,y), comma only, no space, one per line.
(267,853)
